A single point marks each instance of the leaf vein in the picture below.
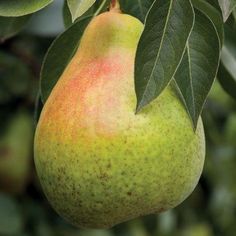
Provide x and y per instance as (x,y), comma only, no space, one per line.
(159,50)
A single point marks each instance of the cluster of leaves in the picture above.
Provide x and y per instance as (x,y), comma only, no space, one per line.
(181,41)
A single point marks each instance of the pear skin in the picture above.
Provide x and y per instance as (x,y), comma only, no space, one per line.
(99,163)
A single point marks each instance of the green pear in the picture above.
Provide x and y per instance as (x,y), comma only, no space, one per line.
(99,163)
(15,153)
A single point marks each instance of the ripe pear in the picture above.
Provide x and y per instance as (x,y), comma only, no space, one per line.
(99,163)
(15,154)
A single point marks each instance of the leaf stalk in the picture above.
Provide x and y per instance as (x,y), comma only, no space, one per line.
(115,6)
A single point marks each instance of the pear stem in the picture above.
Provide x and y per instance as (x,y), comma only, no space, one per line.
(115,6)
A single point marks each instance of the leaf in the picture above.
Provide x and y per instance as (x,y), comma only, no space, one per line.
(214,3)
(136,8)
(67,18)
(227,6)
(38,109)
(9,26)
(161,47)
(98,7)
(198,68)
(79,7)
(231,22)
(234,14)
(227,80)
(59,55)
(23,7)
(54,65)
(227,70)
(213,14)
(47,23)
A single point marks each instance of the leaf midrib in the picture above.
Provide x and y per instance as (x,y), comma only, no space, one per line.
(75,16)
(191,79)
(159,50)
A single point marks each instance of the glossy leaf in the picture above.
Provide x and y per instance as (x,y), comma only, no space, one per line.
(9,26)
(136,8)
(79,7)
(59,55)
(213,14)
(198,68)
(161,47)
(22,7)
(54,65)
(227,6)
(98,7)
(67,18)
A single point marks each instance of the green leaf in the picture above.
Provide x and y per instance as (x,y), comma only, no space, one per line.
(198,68)
(227,6)
(55,61)
(59,55)
(22,7)
(213,14)
(67,15)
(98,7)
(234,14)
(161,47)
(227,80)
(214,3)
(38,109)
(227,70)
(136,8)
(231,22)
(79,7)
(9,26)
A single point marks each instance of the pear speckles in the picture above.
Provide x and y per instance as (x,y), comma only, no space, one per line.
(100,164)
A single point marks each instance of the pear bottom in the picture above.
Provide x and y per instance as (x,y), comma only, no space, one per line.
(147,163)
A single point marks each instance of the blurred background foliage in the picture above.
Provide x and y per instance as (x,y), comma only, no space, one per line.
(24,210)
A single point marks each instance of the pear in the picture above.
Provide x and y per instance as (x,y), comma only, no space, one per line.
(99,163)
(15,154)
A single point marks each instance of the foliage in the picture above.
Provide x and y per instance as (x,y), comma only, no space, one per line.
(227,7)
(79,7)
(9,26)
(168,23)
(51,72)
(21,8)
